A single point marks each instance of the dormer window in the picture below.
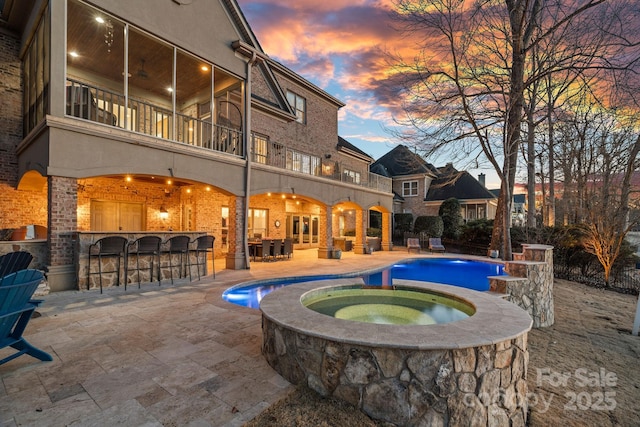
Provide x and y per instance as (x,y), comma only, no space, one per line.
(299,105)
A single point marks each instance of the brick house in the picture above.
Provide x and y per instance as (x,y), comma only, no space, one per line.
(163,117)
(420,188)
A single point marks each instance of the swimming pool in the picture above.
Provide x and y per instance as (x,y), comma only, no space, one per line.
(470,274)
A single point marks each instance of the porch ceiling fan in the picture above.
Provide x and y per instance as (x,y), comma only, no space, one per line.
(141,73)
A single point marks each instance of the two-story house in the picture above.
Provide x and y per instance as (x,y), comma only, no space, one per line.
(163,116)
(420,188)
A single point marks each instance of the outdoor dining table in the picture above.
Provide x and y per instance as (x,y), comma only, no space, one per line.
(255,244)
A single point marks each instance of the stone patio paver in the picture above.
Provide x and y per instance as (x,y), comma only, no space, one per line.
(180,355)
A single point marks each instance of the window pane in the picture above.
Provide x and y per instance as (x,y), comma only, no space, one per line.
(259,149)
(151,84)
(193,88)
(95,65)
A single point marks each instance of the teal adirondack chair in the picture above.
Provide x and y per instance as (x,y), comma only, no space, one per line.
(16,309)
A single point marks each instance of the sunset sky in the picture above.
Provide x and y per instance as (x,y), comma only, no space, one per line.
(340,46)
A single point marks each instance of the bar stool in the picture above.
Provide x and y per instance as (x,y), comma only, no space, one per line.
(145,246)
(178,245)
(204,245)
(107,247)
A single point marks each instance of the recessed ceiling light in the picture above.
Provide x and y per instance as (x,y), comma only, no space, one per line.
(204,68)
(100,19)
(170,89)
(73,54)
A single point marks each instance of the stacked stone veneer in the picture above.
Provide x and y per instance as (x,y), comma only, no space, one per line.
(530,283)
(481,386)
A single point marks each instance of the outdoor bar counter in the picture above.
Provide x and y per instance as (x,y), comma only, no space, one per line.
(86,239)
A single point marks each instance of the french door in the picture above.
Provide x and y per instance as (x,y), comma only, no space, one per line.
(303,229)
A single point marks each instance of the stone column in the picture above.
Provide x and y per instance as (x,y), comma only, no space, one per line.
(535,293)
(360,244)
(62,224)
(386,244)
(325,238)
(543,284)
(235,256)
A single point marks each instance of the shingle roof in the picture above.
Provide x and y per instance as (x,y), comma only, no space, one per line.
(401,161)
(346,144)
(452,183)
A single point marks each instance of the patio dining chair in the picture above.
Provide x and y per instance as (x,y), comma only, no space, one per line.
(264,250)
(287,248)
(275,249)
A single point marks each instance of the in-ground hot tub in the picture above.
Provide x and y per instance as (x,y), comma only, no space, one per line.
(387,306)
(467,371)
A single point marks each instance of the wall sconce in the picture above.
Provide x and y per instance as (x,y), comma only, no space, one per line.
(163,213)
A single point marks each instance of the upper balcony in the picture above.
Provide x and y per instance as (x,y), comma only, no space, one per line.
(103,106)
(119,75)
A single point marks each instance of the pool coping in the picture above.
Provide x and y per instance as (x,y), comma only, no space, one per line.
(494,321)
(356,274)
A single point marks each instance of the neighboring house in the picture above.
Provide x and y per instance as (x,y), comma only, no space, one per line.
(420,188)
(411,176)
(156,117)
(476,201)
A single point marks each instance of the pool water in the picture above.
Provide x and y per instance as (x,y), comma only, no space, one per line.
(468,274)
(388,307)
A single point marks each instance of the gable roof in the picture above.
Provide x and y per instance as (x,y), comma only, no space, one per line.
(402,161)
(453,183)
(349,148)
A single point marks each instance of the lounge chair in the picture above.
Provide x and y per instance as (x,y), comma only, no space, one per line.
(16,290)
(413,243)
(435,245)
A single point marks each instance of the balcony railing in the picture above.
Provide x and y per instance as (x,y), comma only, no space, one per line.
(103,106)
(283,157)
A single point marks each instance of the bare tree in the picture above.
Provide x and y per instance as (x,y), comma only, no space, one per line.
(607,219)
(467,84)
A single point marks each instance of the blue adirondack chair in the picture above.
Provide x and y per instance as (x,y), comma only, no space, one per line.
(14,261)
(15,312)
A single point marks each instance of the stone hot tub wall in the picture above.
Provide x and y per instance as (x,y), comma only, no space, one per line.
(483,386)
(530,283)
(469,372)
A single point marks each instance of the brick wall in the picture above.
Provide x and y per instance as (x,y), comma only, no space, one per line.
(17,207)
(63,223)
(206,205)
(413,204)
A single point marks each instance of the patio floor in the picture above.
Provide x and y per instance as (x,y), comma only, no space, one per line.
(180,355)
(169,355)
